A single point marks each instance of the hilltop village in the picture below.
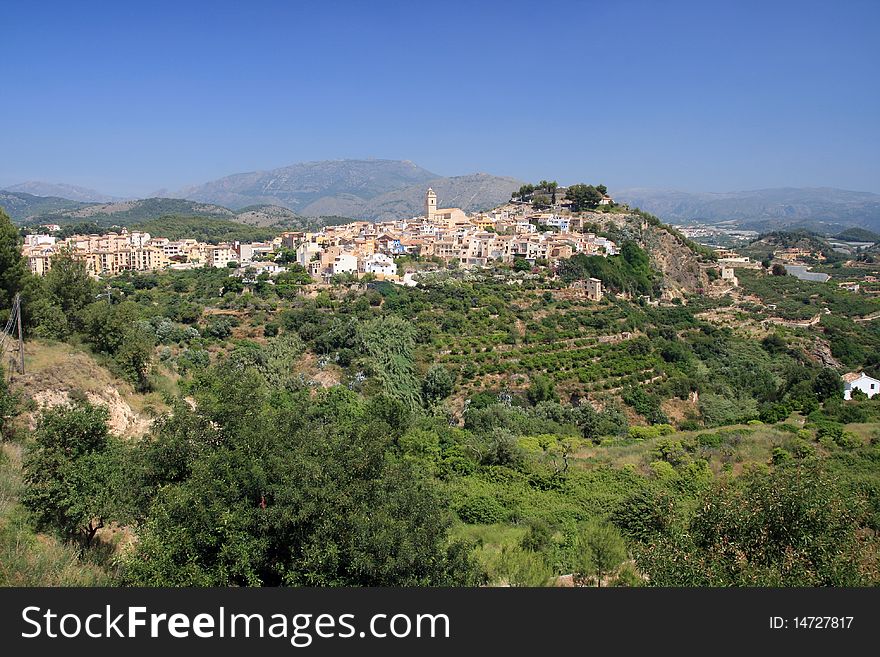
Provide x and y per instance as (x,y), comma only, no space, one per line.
(448,235)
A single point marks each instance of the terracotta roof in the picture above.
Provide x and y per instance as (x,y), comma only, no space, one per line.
(852,376)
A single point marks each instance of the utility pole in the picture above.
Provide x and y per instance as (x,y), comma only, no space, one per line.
(16,308)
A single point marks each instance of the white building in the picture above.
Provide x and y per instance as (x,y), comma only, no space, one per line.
(344,264)
(859,381)
(609,246)
(247,252)
(39,240)
(525,226)
(558,222)
(306,252)
(138,240)
(379,263)
(593,287)
(728,275)
(270,268)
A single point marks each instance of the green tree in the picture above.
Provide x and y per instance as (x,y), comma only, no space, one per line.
(542,389)
(115,330)
(219,328)
(525,192)
(521,264)
(774,344)
(134,356)
(49,318)
(583,197)
(286,488)
(72,473)
(792,525)
(779,270)
(588,420)
(540,202)
(69,287)
(601,551)
(438,384)
(105,325)
(389,342)
(519,567)
(828,384)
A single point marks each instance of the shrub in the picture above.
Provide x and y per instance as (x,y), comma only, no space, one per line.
(779,456)
(709,440)
(662,470)
(481,510)
(848,440)
(219,329)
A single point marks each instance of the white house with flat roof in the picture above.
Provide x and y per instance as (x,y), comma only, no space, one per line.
(859,381)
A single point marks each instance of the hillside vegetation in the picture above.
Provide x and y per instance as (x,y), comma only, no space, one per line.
(488,426)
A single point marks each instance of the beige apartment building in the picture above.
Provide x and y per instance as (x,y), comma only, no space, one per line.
(220,255)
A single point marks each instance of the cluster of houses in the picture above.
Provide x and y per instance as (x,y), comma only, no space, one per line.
(358,248)
(447,234)
(113,253)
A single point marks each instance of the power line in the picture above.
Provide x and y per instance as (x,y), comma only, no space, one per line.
(13,328)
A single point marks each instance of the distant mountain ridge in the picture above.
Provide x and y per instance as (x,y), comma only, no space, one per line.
(824,209)
(380,189)
(298,185)
(61,190)
(363,189)
(143,211)
(20,205)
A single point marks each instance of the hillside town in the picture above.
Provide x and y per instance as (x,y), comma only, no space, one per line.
(358,248)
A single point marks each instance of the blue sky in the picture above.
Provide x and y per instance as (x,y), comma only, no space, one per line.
(705,96)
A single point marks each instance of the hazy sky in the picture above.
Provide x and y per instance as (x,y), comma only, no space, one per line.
(130,97)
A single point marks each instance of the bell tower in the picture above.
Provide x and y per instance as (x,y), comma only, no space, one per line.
(430,204)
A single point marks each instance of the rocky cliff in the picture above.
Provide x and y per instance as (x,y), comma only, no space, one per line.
(670,253)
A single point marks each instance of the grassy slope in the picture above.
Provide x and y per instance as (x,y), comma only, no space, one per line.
(604,468)
(28,558)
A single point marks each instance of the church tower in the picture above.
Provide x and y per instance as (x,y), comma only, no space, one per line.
(430,204)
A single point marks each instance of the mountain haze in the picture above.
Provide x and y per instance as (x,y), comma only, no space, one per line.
(479,191)
(20,205)
(61,190)
(123,213)
(364,189)
(823,208)
(298,185)
(143,211)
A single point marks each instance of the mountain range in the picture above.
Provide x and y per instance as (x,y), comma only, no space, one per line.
(28,209)
(386,189)
(363,189)
(61,190)
(20,206)
(368,189)
(822,209)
